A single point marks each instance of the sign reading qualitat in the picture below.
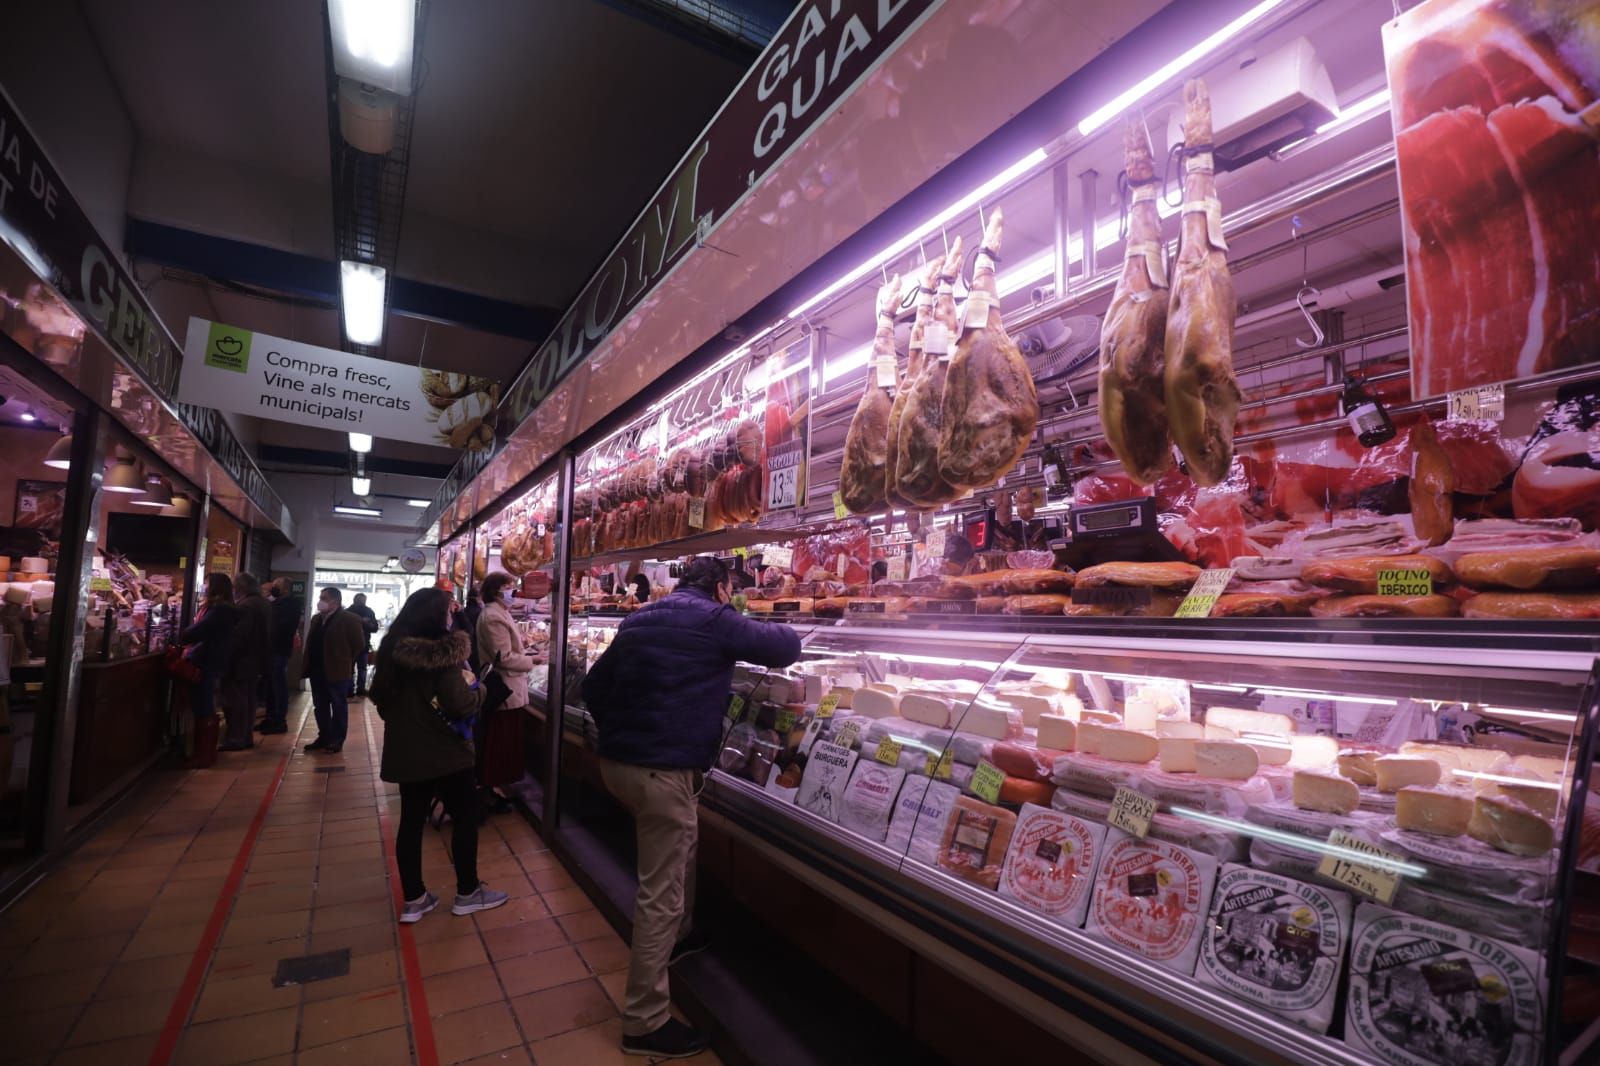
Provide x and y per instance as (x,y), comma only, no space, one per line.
(251,373)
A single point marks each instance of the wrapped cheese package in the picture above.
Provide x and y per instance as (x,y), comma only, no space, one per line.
(827,773)
(1184,832)
(1095,776)
(1050,866)
(1151,898)
(1277,943)
(920,815)
(869,798)
(1214,795)
(1465,861)
(975,840)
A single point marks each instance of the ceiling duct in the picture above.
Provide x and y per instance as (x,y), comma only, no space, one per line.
(729,20)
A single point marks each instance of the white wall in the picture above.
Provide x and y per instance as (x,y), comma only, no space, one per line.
(320,533)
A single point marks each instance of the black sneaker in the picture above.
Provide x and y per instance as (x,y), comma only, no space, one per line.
(673,1040)
(271,730)
(317,745)
(693,944)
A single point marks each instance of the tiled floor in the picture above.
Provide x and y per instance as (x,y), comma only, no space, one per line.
(159,940)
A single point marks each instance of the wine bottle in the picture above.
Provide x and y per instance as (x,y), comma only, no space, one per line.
(1368,418)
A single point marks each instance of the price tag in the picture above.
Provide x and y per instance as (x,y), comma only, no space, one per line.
(939,765)
(1131,812)
(936,541)
(847,735)
(888,751)
(867,607)
(785,721)
(736,707)
(884,367)
(936,339)
(779,556)
(951,607)
(976,313)
(785,606)
(785,462)
(1405,582)
(812,732)
(897,568)
(829,704)
(741,553)
(1203,596)
(839,509)
(841,564)
(697,513)
(1482,402)
(1345,866)
(986,781)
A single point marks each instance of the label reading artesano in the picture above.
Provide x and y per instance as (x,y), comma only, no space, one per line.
(1051,864)
(1277,943)
(1150,897)
(1421,993)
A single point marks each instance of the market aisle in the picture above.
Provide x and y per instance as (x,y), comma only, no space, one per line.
(246,914)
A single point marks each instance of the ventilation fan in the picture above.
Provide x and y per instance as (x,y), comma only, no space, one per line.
(1060,347)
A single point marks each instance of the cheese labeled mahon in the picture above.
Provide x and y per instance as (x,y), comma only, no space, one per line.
(1504,823)
(1177,754)
(991,720)
(1030,706)
(1438,811)
(927,708)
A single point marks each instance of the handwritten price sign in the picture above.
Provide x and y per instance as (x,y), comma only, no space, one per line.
(1343,864)
(1132,812)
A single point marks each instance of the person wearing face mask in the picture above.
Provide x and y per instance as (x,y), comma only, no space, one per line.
(333,643)
(500,645)
(659,696)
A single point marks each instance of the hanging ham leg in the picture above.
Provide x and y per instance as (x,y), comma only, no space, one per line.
(861,476)
(990,404)
(1133,390)
(1202,396)
(914,361)
(917,461)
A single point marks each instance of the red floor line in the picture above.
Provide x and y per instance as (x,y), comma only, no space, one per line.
(416,994)
(172,1031)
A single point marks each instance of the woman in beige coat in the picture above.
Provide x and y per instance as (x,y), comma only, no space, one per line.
(500,744)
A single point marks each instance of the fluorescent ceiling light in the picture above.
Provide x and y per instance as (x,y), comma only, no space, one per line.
(359,512)
(1513,712)
(1128,97)
(362,287)
(27,415)
(361,486)
(1358,112)
(1028,274)
(960,207)
(845,364)
(373,41)
(416,503)
(361,442)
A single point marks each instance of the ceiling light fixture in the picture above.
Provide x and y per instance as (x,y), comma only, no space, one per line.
(358,512)
(157,493)
(181,508)
(124,477)
(374,41)
(361,486)
(1142,88)
(361,442)
(362,288)
(60,454)
(28,416)
(416,503)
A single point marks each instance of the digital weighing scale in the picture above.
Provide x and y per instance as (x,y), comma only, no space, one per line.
(1119,531)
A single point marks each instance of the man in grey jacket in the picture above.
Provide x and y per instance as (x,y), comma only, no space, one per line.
(247,662)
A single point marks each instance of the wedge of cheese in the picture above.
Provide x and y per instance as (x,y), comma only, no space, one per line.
(1139,712)
(991,720)
(1177,727)
(1359,766)
(1219,732)
(1395,772)
(1032,707)
(1317,791)
(874,702)
(1058,731)
(1245,721)
(1090,735)
(927,707)
(1127,745)
(1227,759)
(1504,823)
(1541,797)
(1311,752)
(1454,756)
(1443,812)
(1274,751)
(1060,680)
(1177,754)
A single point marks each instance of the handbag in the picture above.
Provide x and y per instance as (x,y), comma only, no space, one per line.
(495,690)
(179,666)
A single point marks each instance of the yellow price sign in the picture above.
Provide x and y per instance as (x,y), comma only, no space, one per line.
(785,721)
(829,704)
(1132,812)
(736,707)
(986,781)
(1343,863)
(839,509)
(847,735)
(1203,595)
(888,751)
(939,765)
(1405,582)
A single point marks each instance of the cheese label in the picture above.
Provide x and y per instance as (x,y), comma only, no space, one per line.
(785,721)
(829,704)
(1151,898)
(1203,595)
(866,607)
(99,584)
(813,731)
(778,555)
(951,607)
(986,781)
(697,513)
(1481,402)
(939,765)
(888,751)
(1360,866)
(1051,863)
(823,784)
(1131,812)
(1276,942)
(847,735)
(736,707)
(1405,582)
(839,509)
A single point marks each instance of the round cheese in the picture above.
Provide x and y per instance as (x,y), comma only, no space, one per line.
(1277,943)
(1228,759)
(1051,863)
(1325,792)
(1395,772)
(1151,898)
(1440,811)
(33,564)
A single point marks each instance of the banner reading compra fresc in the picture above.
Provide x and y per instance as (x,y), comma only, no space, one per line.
(249,373)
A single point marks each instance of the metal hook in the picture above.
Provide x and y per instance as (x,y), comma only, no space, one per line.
(983,227)
(944,235)
(1317,336)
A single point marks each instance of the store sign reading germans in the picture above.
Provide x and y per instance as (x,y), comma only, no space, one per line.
(820,53)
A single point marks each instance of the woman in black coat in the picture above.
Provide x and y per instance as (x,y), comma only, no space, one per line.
(209,645)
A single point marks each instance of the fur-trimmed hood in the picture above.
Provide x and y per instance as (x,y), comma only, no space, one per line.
(425,653)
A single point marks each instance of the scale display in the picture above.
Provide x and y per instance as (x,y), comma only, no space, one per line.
(1113,519)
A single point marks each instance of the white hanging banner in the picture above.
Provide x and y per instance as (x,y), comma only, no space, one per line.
(248,373)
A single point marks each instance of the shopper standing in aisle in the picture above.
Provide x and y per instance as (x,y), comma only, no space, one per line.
(500,732)
(369,625)
(287,613)
(207,643)
(426,695)
(659,696)
(465,618)
(333,644)
(247,661)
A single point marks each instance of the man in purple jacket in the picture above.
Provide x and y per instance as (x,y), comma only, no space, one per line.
(659,696)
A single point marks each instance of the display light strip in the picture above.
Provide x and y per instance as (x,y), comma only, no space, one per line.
(1513,712)
(1303,694)
(1480,775)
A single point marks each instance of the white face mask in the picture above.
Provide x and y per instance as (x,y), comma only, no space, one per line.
(324,607)
(505,597)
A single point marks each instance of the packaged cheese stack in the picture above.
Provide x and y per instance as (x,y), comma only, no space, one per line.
(920,815)
(828,768)
(1187,833)
(1051,864)
(1151,898)
(1420,992)
(869,798)
(1277,943)
(975,839)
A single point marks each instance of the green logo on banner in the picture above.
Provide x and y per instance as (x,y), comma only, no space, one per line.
(228,348)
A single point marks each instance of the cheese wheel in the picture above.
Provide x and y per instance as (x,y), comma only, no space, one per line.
(1542,797)
(1058,731)
(1177,754)
(1032,707)
(1502,822)
(1126,745)
(1227,759)
(1438,811)
(1179,727)
(927,708)
(1271,752)
(1359,766)
(1218,732)
(991,720)
(1089,736)
(1395,772)
(1310,751)
(1314,791)
(874,702)
(1139,712)
(1243,721)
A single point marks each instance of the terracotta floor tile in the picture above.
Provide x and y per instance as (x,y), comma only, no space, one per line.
(45,1032)
(240,996)
(249,960)
(362,940)
(605,954)
(551,879)
(616,986)
(532,973)
(370,852)
(596,1045)
(368,973)
(494,869)
(338,916)
(202,891)
(471,1033)
(25,995)
(113,1019)
(255,902)
(238,1039)
(304,845)
(461,989)
(145,975)
(563,1008)
(538,860)
(83,923)
(517,912)
(334,873)
(202,869)
(133,875)
(353,891)
(174,913)
(511,1056)
(57,956)
(524,939)
(566,901)
(585,925)
(440,924)
(391,1046)
(443,956)
(265,928)
(333,1020)
(124,1052)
